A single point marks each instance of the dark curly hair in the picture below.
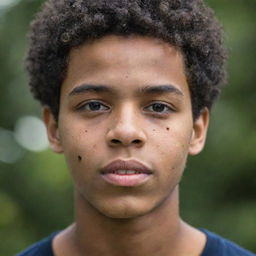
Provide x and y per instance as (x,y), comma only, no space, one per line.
(186,24)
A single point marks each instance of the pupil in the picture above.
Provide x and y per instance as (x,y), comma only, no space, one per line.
(158,107)
(94,105)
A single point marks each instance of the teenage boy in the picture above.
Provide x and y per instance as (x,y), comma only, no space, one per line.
(126,88)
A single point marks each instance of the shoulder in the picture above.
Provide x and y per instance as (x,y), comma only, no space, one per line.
(41,248)
(217,245)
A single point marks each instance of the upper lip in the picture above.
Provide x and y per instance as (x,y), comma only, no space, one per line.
(126,165)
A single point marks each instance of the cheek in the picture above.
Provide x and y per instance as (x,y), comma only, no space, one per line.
(171,137)
(171,144)
(79,144)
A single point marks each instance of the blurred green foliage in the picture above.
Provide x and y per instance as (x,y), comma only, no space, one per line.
(218,191)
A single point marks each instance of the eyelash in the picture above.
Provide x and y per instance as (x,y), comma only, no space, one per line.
(167,108)
(83,107)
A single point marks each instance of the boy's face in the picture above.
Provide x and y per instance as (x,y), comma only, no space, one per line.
(126,99)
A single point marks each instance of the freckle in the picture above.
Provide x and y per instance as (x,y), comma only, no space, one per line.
(79,158)
(167,128)
(154,130)
(86,131)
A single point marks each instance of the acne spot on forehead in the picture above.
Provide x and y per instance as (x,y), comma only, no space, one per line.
(79,158)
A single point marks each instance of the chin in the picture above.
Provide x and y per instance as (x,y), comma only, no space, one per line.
(125,209)
(124,214)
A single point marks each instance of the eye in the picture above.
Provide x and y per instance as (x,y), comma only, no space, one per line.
(159,108)
(93,106)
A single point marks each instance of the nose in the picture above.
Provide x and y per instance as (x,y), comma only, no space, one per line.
(126,129)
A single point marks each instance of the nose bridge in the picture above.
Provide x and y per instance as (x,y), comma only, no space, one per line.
(127,116)
(126,127)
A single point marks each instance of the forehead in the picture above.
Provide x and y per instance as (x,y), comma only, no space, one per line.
(132,60)
(118,50)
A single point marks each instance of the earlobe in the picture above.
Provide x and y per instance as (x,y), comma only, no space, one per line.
(52,130)
(199,134)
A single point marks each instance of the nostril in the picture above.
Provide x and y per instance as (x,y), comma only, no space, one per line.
(137,141)
(115,141)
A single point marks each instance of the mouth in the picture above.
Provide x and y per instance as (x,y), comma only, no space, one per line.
(128,173)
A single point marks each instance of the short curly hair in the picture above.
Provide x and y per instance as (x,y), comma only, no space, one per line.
(187,24)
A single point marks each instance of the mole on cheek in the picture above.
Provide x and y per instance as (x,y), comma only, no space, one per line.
(79,158)
(167,128)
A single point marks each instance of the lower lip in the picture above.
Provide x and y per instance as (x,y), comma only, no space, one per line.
(126,180)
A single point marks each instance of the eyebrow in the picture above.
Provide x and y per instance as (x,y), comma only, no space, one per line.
(151,89)
(85,88)
(156,89)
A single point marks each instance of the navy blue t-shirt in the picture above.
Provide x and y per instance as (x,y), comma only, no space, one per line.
(215,246)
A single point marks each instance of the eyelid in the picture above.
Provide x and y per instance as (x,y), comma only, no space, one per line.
(168,105)
(81,105)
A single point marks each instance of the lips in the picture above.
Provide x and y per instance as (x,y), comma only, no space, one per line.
(126,173)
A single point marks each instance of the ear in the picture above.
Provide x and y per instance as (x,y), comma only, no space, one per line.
(198,137)
(52,130)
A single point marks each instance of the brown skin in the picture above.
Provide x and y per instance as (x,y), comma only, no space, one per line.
(112,220)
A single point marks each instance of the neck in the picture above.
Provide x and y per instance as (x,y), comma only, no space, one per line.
(159,232)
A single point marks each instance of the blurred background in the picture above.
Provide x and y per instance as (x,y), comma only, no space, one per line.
(218,191)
